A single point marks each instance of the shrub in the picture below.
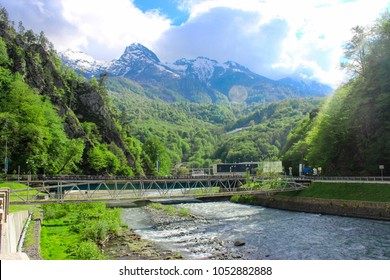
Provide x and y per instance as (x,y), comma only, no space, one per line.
(53,211)
(96,231)
(242,198)
(87,250)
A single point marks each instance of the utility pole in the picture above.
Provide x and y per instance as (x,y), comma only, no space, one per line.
(6,155)
(381,167)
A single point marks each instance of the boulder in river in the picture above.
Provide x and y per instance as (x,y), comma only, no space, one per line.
(239,243)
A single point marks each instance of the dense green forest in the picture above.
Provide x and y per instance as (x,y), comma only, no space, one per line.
(54,121)
(351,134)
(202,134)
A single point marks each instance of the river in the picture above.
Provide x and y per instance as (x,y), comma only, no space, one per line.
(268,233)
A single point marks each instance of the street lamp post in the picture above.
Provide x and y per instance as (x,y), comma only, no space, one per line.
(381,167)
(158,165)
(232,168)
(29,167)
(6,155)
(18,173)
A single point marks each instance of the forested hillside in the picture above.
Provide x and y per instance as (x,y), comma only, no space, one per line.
(54,121)
(202,134)
(351,134)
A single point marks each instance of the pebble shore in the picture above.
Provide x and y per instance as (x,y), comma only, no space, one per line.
(215,248)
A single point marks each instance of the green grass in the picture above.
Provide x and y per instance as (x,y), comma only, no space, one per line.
(347,191)
(202,191)
(57,237)
(77,231)
(171,209)
(22,191)
(30,238)
(34,209)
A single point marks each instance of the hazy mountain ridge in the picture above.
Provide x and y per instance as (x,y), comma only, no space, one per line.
(197,80)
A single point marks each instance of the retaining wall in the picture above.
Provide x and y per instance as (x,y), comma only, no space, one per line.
(12,230)
(351,208)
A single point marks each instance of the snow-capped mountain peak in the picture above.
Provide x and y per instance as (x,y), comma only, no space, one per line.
(137,60)
(198,80)
(236,66)
(80,60)
(139,52)
(201,67)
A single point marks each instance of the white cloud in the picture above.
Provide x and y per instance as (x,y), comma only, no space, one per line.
(113,24)
(102,28)
(323,28)
(224,34)
(272,37)
(313,39)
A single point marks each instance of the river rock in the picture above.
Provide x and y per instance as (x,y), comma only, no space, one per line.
(239,243)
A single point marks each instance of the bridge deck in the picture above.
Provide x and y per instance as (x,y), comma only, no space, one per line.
(50,191)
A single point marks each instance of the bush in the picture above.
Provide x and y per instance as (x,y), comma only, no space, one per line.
(95,222)
(54,211)
(242,199)
(87,250)
(171,209)
(86,224)
(157,206)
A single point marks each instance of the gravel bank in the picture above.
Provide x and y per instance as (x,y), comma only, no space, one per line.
(130,246)
(212,246)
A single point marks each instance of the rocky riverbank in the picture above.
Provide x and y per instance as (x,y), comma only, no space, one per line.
(176,224)
(130,246)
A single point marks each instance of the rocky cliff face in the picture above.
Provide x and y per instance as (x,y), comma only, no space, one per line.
(76,99)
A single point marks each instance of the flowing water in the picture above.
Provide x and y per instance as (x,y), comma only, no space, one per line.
(268,233)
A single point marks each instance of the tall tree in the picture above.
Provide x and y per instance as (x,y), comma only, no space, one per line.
(355,51)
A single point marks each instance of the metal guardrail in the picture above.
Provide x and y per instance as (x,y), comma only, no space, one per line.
(40,177)
(348,178)
(75,178)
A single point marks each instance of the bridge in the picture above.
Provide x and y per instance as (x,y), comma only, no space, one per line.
(88,188)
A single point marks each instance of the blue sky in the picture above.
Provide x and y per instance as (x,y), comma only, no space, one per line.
(169,8)
(274,38)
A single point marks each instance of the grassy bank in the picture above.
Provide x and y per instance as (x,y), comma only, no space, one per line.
(34,209)
(345,191)
(91,231)
(77,231)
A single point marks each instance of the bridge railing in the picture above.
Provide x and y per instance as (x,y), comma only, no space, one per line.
(75,178)
(348,178)
(62,191)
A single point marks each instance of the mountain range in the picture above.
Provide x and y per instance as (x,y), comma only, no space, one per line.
(195,80)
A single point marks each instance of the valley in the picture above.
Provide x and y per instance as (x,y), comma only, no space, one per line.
(137,115)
